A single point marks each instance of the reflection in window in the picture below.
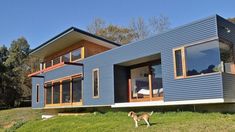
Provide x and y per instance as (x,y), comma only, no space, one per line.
(56,60)
(156,72)
(66,57)
(76,54)
(226,55)
(178,63)
(48,64)
(56,93)
(140,82)
(77,89)
(66,91)
(202,58)
(48,88)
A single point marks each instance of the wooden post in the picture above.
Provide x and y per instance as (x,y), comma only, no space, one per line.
(150,88)
(129,89)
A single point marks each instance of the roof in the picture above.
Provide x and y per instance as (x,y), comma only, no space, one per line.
(69,32)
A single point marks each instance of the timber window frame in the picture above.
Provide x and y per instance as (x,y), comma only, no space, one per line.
(95,83)
(59,82)
(182,61)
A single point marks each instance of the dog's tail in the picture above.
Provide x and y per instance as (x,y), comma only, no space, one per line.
(151,113)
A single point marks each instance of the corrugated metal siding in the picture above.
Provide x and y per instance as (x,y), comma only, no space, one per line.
(229,86)
(36,81)
(203,87)
(228,79)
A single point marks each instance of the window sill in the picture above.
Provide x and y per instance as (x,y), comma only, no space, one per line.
(201,75)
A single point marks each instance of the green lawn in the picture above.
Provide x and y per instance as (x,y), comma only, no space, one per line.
(17,116)
(119,121)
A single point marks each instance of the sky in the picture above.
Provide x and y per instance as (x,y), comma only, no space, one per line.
(40,20)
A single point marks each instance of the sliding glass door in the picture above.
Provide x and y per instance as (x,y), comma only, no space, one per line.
(156,76)
(140,82)
(145,82)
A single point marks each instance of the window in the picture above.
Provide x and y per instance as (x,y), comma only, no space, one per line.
(56,60)
(77,89)
(48,64)
(37,94)
(66,91)
(227,57)
(76,54)
(202,58)
(56,93)
(48,89)
(95,83)
(66,57)
(178,62)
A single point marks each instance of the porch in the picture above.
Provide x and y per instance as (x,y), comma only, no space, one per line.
(139,80)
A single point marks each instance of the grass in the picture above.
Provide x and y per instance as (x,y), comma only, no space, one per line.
(119,121)
(27,120)
(14,118)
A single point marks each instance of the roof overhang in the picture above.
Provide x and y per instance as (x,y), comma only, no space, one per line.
(68,38)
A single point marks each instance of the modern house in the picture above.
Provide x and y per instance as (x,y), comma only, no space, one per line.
(190,64)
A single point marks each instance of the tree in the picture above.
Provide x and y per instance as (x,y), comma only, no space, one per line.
(118,34)
(18,84)
(140,28)
(159,24)
(232,20)
(96,25)
(3,56)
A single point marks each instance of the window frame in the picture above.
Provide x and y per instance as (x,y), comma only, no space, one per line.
(60,80)
(182,49)
(98,83)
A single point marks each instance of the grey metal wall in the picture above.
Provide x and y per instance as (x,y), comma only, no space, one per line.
(228,86)
(228,79)
(36,81)
(201,87)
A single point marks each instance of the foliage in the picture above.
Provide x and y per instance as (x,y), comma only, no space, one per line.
(137,29)
(119,121)
(232,20)
(14,70)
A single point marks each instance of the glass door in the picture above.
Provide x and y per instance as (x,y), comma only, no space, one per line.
(140,83)
(156,75)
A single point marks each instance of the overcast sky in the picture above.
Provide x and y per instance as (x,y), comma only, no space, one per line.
(40,20)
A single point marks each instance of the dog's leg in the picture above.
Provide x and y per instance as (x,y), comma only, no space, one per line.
(148,125)
(136,124)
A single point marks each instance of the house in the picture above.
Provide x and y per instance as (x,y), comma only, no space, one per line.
(188,65)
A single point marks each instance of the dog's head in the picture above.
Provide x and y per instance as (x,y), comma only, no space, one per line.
(131,113)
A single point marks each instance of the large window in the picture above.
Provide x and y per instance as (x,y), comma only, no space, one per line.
(48,89)
(56,93)
(66,91)
(202,58)
(95,83)
(76,54)
(77,89)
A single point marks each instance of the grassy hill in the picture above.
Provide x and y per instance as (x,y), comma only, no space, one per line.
(119,121)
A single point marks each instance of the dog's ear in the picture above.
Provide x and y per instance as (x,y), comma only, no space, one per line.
(130,113)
